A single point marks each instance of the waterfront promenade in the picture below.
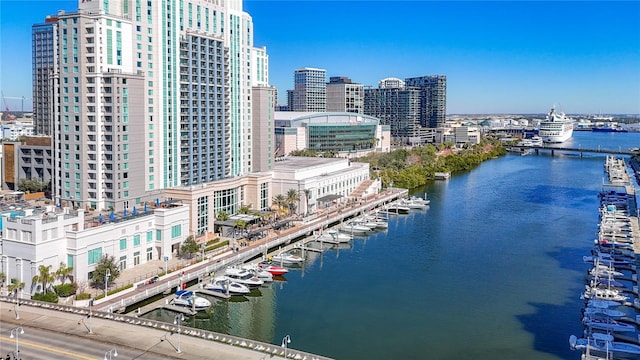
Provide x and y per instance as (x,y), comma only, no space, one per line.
(105,311)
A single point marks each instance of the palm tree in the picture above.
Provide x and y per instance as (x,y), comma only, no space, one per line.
(244,209)
(45,277)
(64,272)
(15,286)
(222,216)
(279,200)
(292,198)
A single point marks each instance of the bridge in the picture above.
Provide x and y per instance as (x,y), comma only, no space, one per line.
(580,150)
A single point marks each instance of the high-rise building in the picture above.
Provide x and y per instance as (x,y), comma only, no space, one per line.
(398,107)
(344,96)
(152,95)
(433,99)
(310,90)
(43,42)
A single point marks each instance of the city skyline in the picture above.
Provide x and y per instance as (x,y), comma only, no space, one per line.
(499,57)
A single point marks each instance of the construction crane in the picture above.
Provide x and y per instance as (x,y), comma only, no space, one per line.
(6,107)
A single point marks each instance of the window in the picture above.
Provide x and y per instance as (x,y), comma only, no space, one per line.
(94,255)
(149,237)
(136,240)
(123,244)
(176,231)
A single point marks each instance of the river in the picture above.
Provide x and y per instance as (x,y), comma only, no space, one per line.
(492,269)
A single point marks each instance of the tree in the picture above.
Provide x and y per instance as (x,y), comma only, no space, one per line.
(15,286)
(279,200)
(45,277)
(106,263)
(189,247)
(244,210)
(3,277)
(292,198)
(64,272)
(222,216)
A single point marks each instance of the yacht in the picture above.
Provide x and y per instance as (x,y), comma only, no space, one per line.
(243,277)
(556,128)
(189,299)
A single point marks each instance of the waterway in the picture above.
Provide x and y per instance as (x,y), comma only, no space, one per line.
(492,269)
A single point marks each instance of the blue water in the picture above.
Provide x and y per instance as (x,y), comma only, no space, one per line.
(493,269)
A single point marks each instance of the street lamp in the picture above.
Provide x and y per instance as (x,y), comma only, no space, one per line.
(106,281)
(113,352)
(286,341)
(176,321)
(14,333)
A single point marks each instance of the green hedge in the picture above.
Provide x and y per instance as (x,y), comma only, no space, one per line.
(114,291)
(83,296)
(48,297)
(216,245)
(65,290)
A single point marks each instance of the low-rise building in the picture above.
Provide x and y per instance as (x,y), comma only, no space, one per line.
(50,236)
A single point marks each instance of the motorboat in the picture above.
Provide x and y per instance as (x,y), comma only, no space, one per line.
(604,294)
(419,200)
(224,285)
(189,299)
(287,258)
(603,311)
(607,324)
(411,204)
(603,342)
(603,304)
(243,277)
(339,236)
(353,228)
(396,208)
(273,269)
(261,274)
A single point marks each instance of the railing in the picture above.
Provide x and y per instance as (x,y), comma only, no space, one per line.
(204,335)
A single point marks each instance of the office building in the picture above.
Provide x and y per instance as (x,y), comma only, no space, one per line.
(433,99)
(344,96)
(27,159)
(310,90)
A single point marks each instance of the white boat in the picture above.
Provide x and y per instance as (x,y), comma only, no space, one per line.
(243,277)
(556,128)
(189,299)
(606,323)
(352,228)
(603,304)
(335,236)
(536,141)
(603,311)
(397,209)
(287,258)
(603,342)
(411,204)
(261,274)
(417,199)
(224,285)
(604,294)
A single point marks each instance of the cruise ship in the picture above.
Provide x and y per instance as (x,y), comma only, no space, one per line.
(556,128)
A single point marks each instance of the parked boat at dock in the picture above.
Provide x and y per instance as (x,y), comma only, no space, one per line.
(224,285)
(189,299)
(243,277)
(603,342)
(273,269)
(606,323)
(287,258)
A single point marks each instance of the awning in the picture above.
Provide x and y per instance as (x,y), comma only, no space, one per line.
(329,198)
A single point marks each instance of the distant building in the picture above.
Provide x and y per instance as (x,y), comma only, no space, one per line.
(44,38)
(27,159)
(310,90)
(399,108)
(347,134)
(459,134)
(433,99)
(262,139)
(344,96)
(16,129)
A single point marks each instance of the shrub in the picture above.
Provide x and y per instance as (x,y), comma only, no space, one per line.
(83,296)
(65,290)
(47,297)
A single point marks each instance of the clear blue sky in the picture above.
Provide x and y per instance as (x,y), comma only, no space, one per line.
(499,57)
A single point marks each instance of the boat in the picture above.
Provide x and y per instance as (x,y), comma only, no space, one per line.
(603,304)
(411,204)
(224,285)
(273,269)
(261,274)
(536,141)
(243,277)
(590,310)
(418,199)
(603,342)
(608,127)
(353,228)
(606,323)
(556,128)
(604,294)
(287,258)
(397,209)
(334,236)
(189,299)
